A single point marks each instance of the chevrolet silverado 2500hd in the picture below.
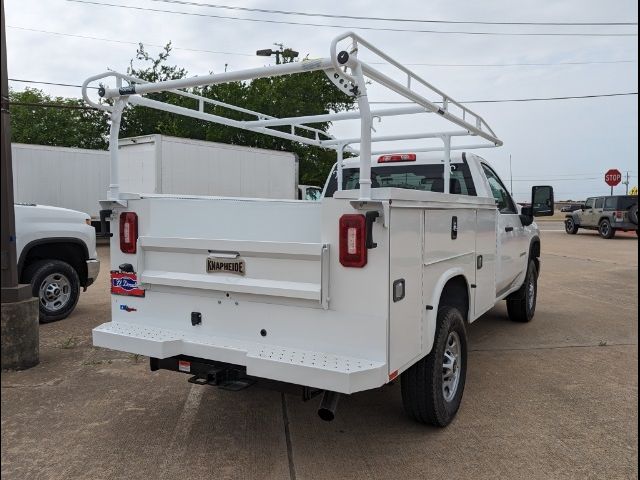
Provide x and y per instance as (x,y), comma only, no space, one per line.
(376,281)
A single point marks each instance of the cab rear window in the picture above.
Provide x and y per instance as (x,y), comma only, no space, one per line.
(428,178)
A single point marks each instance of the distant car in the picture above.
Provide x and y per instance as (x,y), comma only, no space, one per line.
(571,208)
(605,214)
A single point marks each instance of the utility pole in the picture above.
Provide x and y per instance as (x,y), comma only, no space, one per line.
(20,343)
(626,184)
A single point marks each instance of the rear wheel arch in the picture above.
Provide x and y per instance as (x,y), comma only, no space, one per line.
(456,293)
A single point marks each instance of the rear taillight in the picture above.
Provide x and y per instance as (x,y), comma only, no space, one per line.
(128,232)
(397,157)
(353,248)
(619,215)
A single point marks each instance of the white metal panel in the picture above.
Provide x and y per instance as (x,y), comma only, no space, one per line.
(71,178)
(485,291)
(209,168)
(445,258)
(340,373)
(138,165)
(405,262)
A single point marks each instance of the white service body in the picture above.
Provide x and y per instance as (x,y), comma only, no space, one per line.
(327,326)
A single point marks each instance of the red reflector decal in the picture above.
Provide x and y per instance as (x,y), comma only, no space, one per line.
(184,366)
(125,284)
(393,375)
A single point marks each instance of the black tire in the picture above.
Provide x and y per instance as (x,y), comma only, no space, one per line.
(570,226)
(633,214)
(57,286)
(423,384)
(521,305)
(605,229)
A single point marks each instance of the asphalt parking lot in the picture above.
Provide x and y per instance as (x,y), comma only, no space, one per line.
(555,398)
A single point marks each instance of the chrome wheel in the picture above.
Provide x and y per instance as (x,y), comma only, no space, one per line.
(451,366)
(55,292)
(604,229)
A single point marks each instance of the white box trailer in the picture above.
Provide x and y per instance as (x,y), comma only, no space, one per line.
(75,178)
(78,178)
(172,165)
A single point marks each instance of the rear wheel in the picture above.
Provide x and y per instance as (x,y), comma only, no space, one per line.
(605,229)
(57,286)
(521,305)
(432,388)
(570,226)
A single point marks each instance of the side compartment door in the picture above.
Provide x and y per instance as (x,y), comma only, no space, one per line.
(405,274)
(485,291)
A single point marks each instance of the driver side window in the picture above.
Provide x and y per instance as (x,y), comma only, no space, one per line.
(589,203)
(500,193)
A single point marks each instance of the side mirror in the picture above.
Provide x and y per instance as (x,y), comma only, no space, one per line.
(542,204)
(583,207)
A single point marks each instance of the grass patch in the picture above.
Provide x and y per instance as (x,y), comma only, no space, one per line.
(69,342)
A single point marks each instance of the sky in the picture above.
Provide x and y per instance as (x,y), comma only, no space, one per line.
(569,144)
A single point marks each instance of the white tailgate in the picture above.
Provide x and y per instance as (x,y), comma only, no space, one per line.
(278,269)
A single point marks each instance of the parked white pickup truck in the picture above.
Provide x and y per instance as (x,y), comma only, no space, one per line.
(56,249)
(376,281)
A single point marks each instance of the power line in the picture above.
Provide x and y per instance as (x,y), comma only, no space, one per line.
(466,101)
(48,83)
(558,179)
(541,64)
(111,40)
(519,100)
(595,62)
(526,177)
(381,19)
(51,105)
(383,29)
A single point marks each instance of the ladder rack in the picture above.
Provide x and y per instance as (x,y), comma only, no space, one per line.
(345,70)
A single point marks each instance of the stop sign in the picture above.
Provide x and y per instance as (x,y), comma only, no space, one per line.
(613,177)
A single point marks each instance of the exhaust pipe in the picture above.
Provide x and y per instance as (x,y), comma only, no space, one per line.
(328,405)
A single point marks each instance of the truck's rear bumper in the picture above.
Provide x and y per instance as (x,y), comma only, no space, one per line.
(308,368)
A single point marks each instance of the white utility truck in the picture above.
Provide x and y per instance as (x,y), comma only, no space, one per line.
(376,281)
(56,249)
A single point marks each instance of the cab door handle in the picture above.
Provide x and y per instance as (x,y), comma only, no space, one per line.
(508,229)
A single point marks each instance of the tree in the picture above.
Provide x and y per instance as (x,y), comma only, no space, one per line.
(67,124)
(310,93)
